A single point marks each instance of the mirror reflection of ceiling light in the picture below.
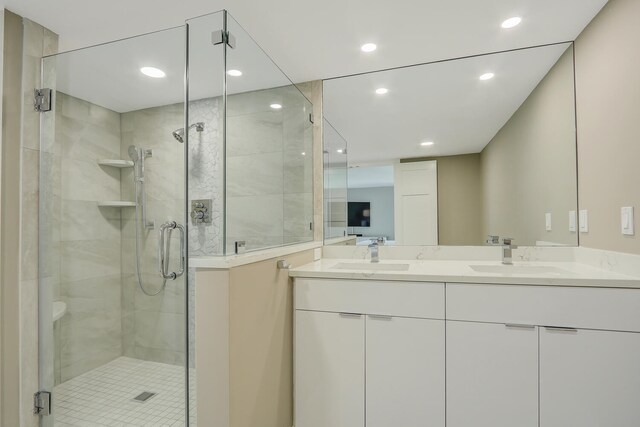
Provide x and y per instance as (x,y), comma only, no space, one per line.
(487,76)
(156,73)
(382,90)
(303,153)
(234,73)
(368,47)
(340,151)
(511,22)
(426,143)
(275,106)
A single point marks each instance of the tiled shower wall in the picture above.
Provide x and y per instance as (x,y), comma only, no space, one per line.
(153,326)
(269,169)
(89,335)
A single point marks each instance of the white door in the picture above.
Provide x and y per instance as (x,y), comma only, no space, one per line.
(416,203)
(492,375)
(405,372)
(329,369)
(589,378)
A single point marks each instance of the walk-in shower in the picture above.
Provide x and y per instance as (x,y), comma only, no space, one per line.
(116,194)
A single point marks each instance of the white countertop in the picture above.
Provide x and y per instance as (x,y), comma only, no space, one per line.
(461,271)
(230,261)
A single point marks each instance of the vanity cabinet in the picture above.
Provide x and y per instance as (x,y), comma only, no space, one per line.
(589,378)
(492,375)
(371,351)
(379,354)
(405,372)
(329,369)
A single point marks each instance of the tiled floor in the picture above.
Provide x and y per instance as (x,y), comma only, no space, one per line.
(104,396)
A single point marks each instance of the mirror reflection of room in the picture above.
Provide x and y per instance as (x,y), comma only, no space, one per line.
(452,152)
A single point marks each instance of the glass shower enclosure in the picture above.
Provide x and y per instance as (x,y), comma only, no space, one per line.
(180,143)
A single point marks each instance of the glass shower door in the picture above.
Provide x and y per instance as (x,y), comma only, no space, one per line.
(113,227)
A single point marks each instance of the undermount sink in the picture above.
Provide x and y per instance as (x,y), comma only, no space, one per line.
(371,266)
(517,269)
(59,309)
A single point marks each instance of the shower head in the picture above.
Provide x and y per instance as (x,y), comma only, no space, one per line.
(134,153)
(178,134)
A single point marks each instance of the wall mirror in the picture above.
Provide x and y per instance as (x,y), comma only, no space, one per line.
(450,152)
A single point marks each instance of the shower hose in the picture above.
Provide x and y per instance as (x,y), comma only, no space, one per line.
(136,183)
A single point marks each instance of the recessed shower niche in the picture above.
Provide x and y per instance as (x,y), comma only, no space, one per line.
(125,155)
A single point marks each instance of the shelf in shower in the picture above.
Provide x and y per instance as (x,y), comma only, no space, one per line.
(116,204)
(116,163)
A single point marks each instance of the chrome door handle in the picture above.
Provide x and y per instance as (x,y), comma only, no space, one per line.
(561,329)
(164,252)
(352,315)
(380,317)
(519,326)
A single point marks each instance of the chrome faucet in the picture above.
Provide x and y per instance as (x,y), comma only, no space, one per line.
(507,250)
(373,248)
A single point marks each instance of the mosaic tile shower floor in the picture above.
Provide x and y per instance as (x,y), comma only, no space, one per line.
(104,396)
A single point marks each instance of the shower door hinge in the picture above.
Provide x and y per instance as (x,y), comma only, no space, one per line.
(311,118)
(42,100)
(221,36)
(42,403)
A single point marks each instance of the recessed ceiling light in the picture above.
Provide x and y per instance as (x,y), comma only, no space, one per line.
(275,106)
(382,90)
(156,73)
(487,76)
(234,73)
(426,143)
(303,153)
(511,22)
(368,47)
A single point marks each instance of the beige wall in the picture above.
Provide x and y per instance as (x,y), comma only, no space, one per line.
(608,109)
(459,199)
(529,167)
(245,344)
(9,268)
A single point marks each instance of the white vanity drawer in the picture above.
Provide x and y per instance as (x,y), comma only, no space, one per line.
(408,299)
(588,308)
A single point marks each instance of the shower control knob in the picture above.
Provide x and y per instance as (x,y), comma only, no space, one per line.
(197,215)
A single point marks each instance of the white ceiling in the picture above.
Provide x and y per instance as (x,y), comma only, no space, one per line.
(315,40)
(443,102)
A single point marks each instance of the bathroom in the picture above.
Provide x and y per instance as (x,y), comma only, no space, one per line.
(214,219)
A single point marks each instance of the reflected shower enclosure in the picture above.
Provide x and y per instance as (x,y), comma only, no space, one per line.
(137,174)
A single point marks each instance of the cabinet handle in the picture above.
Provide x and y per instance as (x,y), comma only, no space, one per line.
(519,326)
(560,329)
(351,315)
(380,317)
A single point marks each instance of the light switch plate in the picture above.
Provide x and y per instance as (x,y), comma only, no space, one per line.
(626,217)
(547,221)
(573,221)
(584,221)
